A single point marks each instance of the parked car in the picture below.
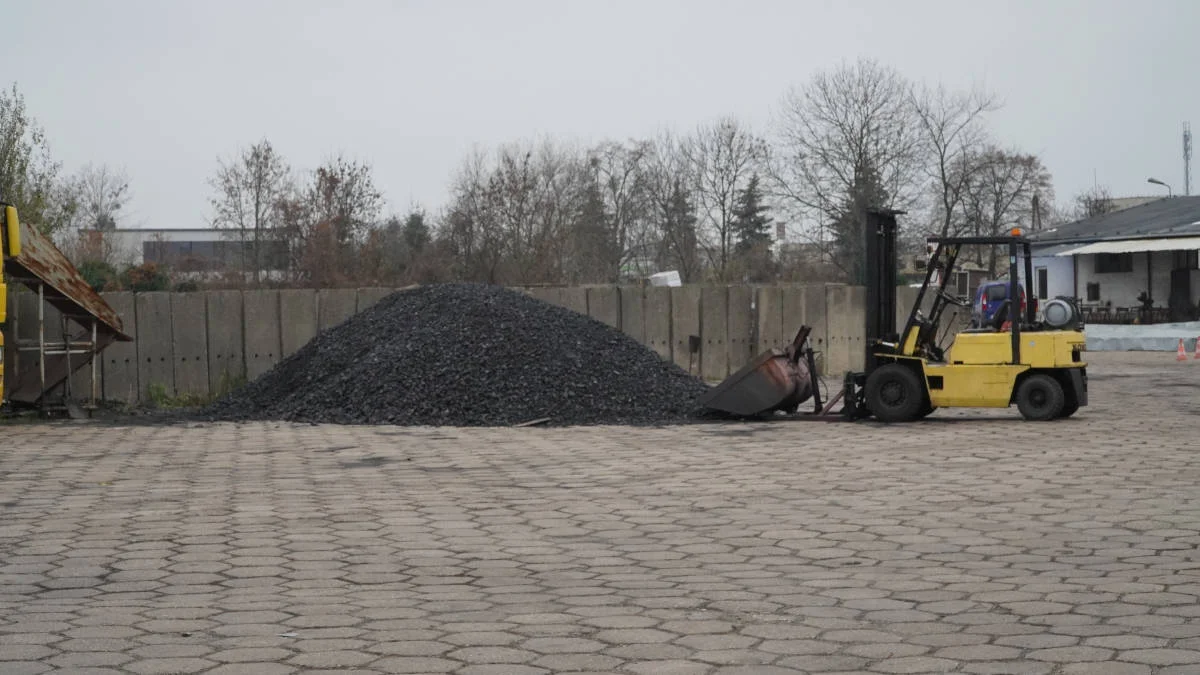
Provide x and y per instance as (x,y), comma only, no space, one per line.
(988,298)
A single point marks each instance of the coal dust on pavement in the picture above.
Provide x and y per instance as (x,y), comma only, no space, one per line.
(468,355)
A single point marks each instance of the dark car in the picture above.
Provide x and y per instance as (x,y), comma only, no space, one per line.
(988,299)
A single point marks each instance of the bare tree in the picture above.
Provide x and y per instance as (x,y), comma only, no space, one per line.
(102,194)
(518,215)
(97,196)
(1096,201)
(249,195)
(723,158)
(620,171)
(670,191)
(952,134)
(1001,195)
(847,140)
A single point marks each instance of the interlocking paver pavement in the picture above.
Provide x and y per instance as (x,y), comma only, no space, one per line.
(970,543)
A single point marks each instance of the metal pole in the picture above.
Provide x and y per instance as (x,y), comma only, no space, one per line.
(42,341)
(94,357)
(68,390)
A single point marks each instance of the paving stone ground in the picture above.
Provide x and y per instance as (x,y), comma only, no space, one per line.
(968,543)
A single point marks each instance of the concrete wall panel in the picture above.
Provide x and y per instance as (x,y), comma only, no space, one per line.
(658,318)
(604,304)
(633,319)
(714,332)
(769,314)
(839,322)
(189,334)
(264,329)
(297,319)
(856,326)
(226,340)
(809,303)
(574,298)
(550,296)
(335,305)
(685,322)
(369,296)
(119,362)
(156,362)
(742,328)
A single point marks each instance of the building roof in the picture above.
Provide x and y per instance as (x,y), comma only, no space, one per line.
(1166,217)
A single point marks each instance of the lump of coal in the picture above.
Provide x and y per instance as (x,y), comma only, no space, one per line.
(468,355)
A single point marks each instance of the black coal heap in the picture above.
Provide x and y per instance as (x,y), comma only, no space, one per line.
(468,355)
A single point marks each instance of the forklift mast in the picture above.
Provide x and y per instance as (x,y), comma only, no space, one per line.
(880,232)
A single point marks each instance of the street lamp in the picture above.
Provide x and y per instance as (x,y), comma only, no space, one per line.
(1159,182)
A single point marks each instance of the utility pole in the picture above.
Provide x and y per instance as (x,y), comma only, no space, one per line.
(1187,158)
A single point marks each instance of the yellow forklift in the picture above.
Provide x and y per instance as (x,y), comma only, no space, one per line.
(1016,358)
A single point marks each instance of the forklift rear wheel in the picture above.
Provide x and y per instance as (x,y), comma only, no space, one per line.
(1040,398)
(894,393)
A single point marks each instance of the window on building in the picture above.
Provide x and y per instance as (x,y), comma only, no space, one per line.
(1185,260)
(1114,263)
(1043,282)
(1093,292)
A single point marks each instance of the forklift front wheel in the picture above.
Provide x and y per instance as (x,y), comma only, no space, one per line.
(1040,397)
(894,393)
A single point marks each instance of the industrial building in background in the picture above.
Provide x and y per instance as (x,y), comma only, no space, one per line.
(1134,265)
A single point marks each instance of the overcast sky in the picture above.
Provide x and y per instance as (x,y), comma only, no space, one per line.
(163,88)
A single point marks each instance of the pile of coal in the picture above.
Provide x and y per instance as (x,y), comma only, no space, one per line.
(468,355)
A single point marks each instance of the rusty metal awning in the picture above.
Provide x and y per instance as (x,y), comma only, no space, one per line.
(45,270)
(41,263)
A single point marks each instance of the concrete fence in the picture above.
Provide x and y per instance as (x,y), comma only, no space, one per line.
(202,343)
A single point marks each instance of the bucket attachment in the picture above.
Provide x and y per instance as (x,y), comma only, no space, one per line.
(777,379)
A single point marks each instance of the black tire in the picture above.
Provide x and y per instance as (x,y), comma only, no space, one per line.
(1070,404)
(1040,398)
(926,411)
(894,394)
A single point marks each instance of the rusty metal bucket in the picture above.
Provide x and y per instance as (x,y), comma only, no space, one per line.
(776,380)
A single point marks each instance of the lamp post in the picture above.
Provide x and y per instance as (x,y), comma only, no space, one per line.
(1159,182)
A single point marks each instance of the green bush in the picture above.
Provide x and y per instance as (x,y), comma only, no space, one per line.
(146,277)
(100,275)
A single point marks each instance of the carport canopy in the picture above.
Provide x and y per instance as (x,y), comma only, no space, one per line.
(1136,246)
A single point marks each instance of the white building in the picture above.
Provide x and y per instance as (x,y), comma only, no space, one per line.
(1109,261)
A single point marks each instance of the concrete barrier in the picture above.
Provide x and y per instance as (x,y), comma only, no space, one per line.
(742,327)
(685,323)
(189,334)
(297,319)
(200,343)
(369,296)
(119,363)
(335,305)
(263,328)
(714,332)
(604,304)
(633,319)
(658,319)
(156,362)
(226,340)
(769,315)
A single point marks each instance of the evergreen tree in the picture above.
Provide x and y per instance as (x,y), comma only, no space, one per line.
(416,232)
(593,238)
(849,243)
(751,228)
(680,243)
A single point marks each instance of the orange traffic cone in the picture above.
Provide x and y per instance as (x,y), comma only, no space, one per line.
(1180,354)
(1196,350)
